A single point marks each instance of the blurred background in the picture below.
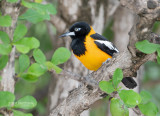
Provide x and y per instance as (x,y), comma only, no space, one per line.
(107,17)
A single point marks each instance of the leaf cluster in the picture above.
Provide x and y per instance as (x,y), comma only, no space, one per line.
(7,99)
(146,47)
(32,62)
(128,98)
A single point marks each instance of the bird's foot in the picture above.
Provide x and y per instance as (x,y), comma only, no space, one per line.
(107,61)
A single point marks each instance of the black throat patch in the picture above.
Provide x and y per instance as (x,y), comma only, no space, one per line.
(78,46)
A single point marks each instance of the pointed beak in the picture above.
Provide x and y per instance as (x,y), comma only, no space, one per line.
(67,34)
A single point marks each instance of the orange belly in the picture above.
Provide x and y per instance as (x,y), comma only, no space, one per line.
(94,57)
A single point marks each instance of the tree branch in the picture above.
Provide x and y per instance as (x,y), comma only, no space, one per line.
(92,11)
(12,9)
(129,61)
(7,83)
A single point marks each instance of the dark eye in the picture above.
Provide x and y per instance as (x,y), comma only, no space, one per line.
(77,29)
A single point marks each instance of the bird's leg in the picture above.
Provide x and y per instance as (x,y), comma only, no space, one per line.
(107,61)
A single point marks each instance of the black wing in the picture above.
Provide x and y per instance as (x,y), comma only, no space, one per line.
(99,37)
(103,44)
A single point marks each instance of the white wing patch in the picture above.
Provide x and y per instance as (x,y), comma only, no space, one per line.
(108,44)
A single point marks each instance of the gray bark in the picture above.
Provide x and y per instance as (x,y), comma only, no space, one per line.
(123,21)
(7,83)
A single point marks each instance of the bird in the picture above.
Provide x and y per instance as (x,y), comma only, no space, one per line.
(92,49)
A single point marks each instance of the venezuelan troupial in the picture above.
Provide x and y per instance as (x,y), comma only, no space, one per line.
(92,49)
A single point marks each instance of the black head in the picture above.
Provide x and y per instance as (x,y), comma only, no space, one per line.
(78,30)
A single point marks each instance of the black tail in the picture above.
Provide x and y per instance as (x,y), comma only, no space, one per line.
(129,82)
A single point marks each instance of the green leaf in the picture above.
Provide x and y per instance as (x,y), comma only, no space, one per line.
(22,48)
(16,66)
(37,69)
(148,109)
(158,52)
(24,62)
(5,21)
(39,56)
(19,113)
(117,77)
(12,1)
(0,78)
(26,44)
(19,32)
(30,42)
(29,77)
(5,49)
(158,59)
(40,8)
(3,61)
(27,4)
(158,56)
(6,99)
(27,102)
(146,47)
(146,96)
(106,86)
(51,66)
(4,37)
(130,98)
(117,108)
(60,56)
(33,16)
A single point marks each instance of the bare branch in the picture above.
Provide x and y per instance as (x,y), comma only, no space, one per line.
(12,9)
(7,83)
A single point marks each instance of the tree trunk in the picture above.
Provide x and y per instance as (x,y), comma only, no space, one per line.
(123,21)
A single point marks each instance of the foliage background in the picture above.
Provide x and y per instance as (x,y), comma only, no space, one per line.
(39,89)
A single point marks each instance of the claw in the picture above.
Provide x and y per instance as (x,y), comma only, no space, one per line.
(107,61)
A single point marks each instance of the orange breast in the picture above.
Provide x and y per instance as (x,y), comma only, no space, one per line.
(94,57)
